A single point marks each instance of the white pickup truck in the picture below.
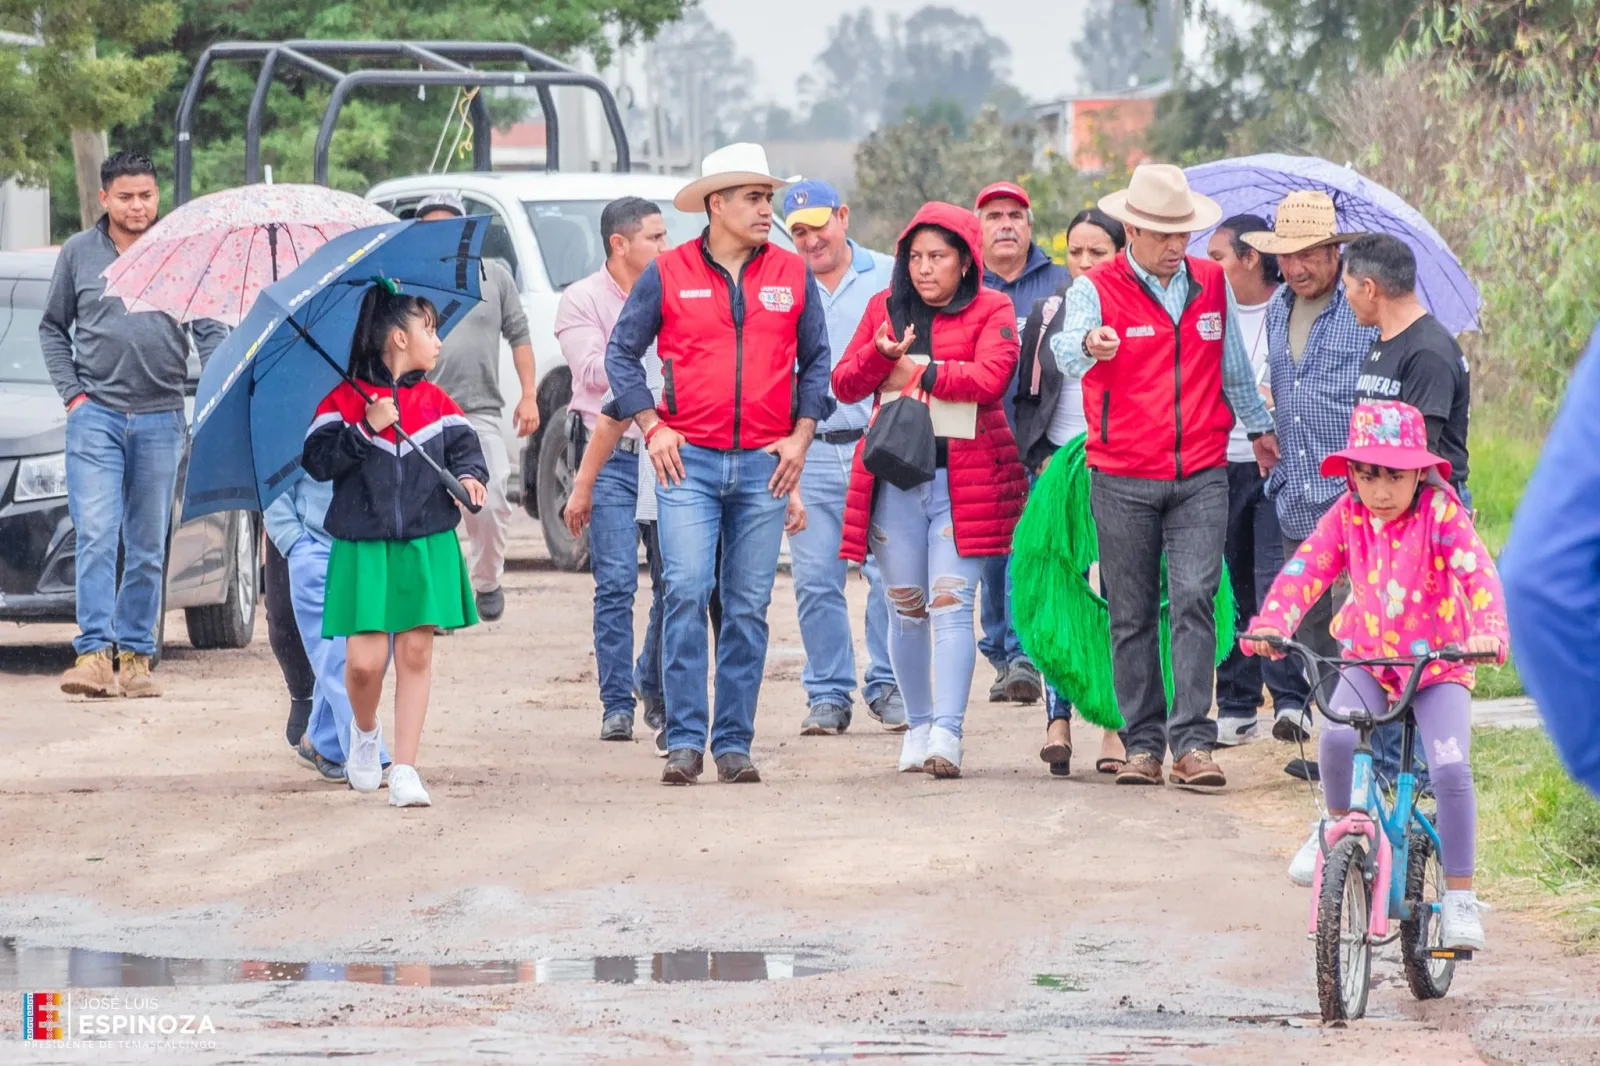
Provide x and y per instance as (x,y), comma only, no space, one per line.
(547,229)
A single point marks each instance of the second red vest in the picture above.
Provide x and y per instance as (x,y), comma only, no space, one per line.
(1157,410)
(728,351)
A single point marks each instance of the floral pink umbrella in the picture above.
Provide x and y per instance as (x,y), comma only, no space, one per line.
(212,257)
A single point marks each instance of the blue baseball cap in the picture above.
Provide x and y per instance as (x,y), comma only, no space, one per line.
(810,203)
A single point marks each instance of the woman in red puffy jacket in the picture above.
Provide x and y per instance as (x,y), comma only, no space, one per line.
(930,541)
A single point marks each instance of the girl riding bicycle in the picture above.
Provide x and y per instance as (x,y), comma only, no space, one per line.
(1420,579)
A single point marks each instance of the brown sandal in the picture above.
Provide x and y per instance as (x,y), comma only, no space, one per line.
(1108,765)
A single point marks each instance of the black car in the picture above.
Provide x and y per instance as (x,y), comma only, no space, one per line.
(213,563)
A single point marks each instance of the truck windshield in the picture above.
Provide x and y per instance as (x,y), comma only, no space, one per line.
(568,232)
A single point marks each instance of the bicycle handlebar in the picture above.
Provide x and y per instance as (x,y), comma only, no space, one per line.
(1315,664)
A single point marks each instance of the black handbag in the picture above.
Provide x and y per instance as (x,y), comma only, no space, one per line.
(900,448)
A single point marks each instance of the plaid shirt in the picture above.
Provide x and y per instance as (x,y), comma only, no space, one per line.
(1312,403)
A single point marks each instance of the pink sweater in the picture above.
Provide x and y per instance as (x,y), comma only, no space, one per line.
(1421,581)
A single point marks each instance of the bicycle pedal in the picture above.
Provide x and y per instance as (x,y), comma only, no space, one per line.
(1458,954)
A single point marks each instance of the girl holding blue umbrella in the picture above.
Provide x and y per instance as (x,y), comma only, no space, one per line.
(395,571)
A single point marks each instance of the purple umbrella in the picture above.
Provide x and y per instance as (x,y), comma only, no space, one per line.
(1254,185)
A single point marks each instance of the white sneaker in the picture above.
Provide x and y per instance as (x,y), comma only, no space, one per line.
(1303,867)
(405,788)
(364,768)
(1462,924)
(1292,724)
(944,753)
(1231,732)
(914,748)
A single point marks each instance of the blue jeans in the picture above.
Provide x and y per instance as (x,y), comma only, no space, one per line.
(121,473)
(724,495)
(927,581)
(819,576)
(999,644)
(647,671)
(614,558)
(331,716)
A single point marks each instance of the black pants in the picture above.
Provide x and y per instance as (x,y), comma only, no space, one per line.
(1254,553)
(1139,521)
(284,636)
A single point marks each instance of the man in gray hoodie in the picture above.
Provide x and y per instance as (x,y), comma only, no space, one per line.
(121,377)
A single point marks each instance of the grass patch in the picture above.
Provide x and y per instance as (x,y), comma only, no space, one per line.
(1498,682)
(1502,460)
(1538,832)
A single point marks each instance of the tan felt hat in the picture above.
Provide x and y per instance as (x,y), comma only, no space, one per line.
(1158,198)
(1304,220)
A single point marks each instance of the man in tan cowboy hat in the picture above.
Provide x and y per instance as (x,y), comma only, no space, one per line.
(1154,334)
(743,338)
(1315,348)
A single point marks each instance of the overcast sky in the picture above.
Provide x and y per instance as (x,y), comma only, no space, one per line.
(784,40)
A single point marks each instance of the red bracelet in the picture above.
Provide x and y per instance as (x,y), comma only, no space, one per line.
(652,432)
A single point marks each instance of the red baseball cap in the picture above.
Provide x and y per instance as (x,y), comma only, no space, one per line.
(1008,189)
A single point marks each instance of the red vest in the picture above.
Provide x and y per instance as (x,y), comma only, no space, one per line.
(728,351)
(1157,410)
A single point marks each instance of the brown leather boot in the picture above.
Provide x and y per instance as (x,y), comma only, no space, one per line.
(135,674)
(1198,770)
(91,675)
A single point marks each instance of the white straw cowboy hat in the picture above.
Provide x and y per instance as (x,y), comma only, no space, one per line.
(1158,198)
(727,168)
(1304,220)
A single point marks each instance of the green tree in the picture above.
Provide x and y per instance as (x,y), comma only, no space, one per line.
(902,166)
(1127,44)
(95,64)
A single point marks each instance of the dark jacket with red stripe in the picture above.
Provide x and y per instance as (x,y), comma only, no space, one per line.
(742,358)
(974,354)
(1157,410)
(383,490)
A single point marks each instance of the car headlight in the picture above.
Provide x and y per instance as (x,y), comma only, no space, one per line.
(41,477)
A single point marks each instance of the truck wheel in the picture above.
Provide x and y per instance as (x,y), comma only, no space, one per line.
(555,485)
(232,623)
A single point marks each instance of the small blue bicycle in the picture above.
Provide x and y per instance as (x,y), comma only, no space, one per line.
(1361,852)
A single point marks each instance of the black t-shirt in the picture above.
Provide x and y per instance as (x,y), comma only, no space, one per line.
(1423,366)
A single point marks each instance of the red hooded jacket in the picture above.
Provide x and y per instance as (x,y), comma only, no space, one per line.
(974,346)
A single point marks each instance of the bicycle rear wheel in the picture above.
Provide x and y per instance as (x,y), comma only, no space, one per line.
(1429,978)
(1344,951)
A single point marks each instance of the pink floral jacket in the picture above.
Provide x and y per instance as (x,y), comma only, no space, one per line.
(1421,581)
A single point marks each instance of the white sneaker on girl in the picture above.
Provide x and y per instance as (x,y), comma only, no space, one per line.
(405,788)
(914,748)
(1462,924)
(364,769)
(1303,867)
(944,753)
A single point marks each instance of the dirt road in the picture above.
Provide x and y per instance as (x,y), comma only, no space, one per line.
(1007,917)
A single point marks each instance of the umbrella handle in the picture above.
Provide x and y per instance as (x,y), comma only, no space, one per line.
(451,483)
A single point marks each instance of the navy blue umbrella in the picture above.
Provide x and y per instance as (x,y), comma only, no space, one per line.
(1256,184)
(262,386)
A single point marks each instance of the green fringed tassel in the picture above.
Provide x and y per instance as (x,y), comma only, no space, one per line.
(1060,618)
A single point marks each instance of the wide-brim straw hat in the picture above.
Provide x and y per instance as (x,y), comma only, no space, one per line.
(1158,198)
(1304,220)
(729,168)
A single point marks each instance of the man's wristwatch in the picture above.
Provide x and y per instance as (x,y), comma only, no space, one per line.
(1264,433)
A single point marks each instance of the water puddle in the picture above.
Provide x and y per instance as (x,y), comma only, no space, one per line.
(27,968)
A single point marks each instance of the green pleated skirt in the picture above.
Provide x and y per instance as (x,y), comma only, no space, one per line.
(390,586)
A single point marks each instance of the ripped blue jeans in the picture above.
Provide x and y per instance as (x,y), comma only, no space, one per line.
(931,590)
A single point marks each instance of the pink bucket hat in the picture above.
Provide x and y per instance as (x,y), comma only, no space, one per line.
(1386,433)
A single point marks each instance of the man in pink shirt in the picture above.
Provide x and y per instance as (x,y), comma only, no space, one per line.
(634,233)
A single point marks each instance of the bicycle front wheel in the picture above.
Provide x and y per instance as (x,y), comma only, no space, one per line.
(1423,932)
(1344,950)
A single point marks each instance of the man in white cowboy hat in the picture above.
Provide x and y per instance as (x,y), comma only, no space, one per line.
(1315,348)
(1154,333)
(743,339)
